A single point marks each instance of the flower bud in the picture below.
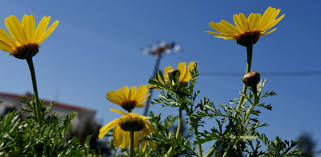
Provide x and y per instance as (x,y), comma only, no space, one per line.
(157,117)
(251,79)
(275,142)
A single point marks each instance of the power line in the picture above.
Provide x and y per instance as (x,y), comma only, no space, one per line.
(281,74)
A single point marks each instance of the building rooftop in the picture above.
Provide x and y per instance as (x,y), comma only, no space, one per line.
(54,104)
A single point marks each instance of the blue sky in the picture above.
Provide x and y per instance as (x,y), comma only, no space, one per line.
(97,48)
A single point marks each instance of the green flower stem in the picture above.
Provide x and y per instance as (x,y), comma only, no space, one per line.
(179,126)
(132,150)
(210,152)
(33,77)
(36,106)
(178,132)
(249,50)
(199,146)
(168,154)
(248,112)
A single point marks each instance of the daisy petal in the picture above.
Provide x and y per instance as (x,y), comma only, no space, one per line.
(49,31)
(15,29)
(5,47)
(118,111)
(182,69)
(103,131)
(5,37)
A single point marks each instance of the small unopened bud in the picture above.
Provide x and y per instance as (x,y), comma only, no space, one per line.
(275,142)
(251,79)
(157,117)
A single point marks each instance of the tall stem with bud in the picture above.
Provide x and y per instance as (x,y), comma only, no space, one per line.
(249,50)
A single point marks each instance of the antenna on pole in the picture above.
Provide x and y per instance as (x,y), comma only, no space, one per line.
(158,50)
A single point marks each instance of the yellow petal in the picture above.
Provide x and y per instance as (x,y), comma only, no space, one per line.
(227,30)
(267,14)
(166,71)
(113,97)
(255,21)
(125,92)
(188,75)
(5,37)
(143,117)
(117,136)
(182,69)
(238,23)
(269,19)
(141,92)
(121,95)
(273,23)
(143,99)
(149,126)
(126,139)
(144,145)
(28,23)
(32,24)
(251,20)
(214,33)
(49,31)
(219,28)
(118,111)
(103,131)
(226,38)
(270,31)
(41,28)
(15,29)
(232,28)
(132,93)
(5,47)
(243,20)
(140,105)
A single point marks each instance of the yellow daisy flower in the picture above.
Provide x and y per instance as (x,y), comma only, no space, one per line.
(185,74)
(247,31)
(129,98)
(24,39)
(124,125)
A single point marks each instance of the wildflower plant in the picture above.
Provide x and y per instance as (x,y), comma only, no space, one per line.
(235,130)
(131,127)
(236,127)
(39,134)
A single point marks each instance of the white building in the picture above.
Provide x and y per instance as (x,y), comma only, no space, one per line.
(82,125)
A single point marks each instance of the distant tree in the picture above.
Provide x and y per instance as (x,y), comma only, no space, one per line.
(307,144)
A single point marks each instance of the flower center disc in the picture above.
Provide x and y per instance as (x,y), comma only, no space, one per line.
(248,38)
(26,51)
(129,105)
(132,123)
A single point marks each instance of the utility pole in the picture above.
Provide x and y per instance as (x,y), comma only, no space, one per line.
(158,51)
